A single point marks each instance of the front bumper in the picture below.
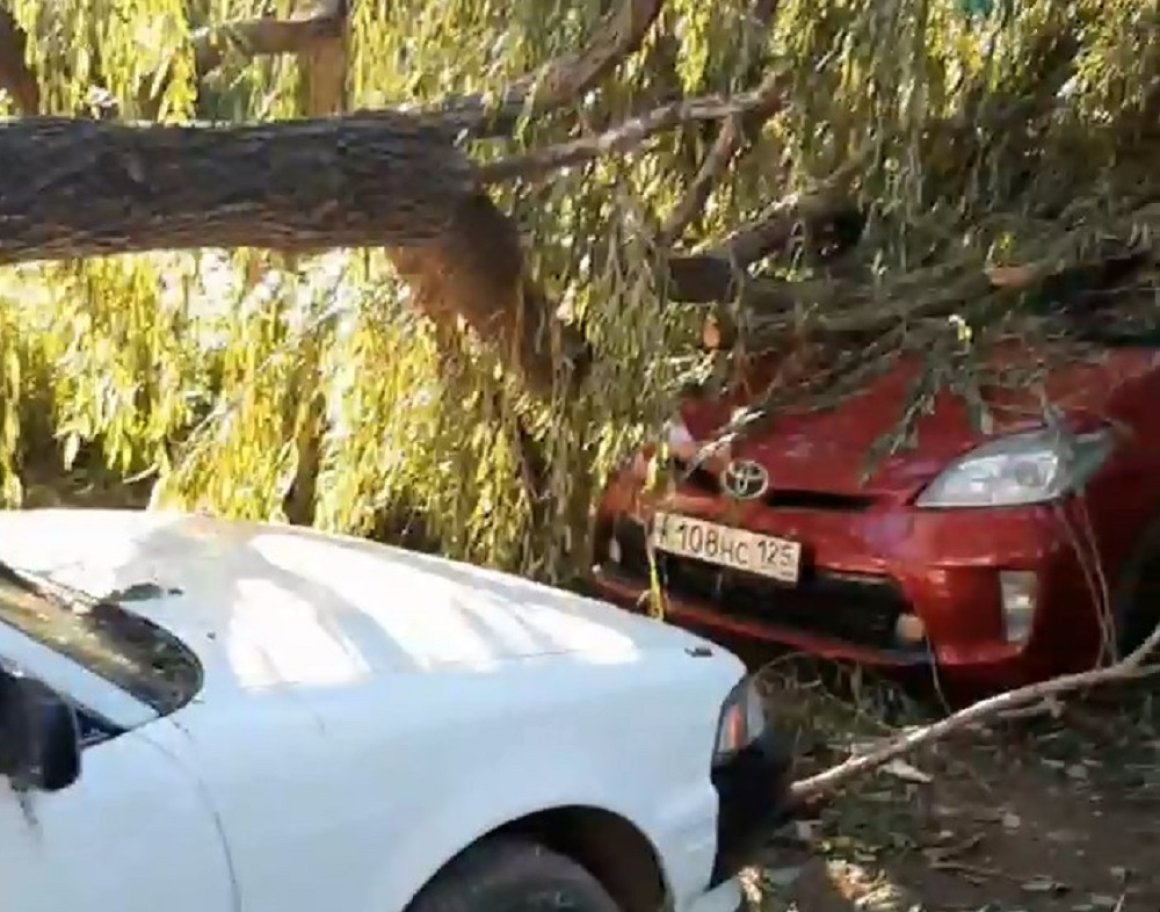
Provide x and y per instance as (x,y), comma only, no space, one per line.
(868,571)
(752,790)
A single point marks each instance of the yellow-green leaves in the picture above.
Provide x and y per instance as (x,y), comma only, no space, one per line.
(262,386)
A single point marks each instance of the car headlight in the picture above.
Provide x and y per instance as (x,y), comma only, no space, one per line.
(1028,468)
(743,720)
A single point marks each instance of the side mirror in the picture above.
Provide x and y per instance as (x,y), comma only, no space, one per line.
(39,736)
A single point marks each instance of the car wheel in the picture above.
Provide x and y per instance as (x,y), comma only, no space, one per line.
(513,875)
(1137,606)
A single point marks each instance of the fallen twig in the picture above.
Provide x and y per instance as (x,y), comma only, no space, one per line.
(1130,667)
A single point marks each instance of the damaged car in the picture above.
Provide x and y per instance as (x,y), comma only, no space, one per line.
(994,555)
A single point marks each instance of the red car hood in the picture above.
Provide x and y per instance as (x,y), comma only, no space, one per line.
(827,451)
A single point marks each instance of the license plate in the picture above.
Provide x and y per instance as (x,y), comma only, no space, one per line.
(725,546)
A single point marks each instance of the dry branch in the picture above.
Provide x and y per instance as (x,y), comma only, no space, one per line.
(1131,667)
(83,188)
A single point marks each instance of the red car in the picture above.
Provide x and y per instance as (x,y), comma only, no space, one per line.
(1000,559)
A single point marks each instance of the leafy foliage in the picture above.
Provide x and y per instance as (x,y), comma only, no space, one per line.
(266,386)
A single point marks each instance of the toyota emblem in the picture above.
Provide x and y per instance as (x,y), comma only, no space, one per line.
(744,479)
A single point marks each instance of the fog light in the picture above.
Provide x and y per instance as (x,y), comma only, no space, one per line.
(909,629)
(614,552)
(1017,590)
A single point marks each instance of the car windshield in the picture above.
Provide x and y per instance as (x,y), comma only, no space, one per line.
(121,647)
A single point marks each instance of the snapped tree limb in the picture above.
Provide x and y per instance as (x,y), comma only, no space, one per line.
(475,270)
(82,188)
(461,255)
(1129,668)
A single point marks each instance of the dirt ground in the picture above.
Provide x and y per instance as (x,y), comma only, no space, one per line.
(1041,813)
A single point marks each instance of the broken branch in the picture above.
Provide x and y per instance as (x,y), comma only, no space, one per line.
(1131,667)
(75,188)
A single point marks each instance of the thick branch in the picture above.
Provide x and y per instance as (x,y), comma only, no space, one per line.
(475,271)
(719,274)
(16,77)
(212,186)
(83,188)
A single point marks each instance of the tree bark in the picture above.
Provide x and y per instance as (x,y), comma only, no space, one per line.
(83,188)
(476,271)
(718,275)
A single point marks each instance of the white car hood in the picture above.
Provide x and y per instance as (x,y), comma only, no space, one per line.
(273,605)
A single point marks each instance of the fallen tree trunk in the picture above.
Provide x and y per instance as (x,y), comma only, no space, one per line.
(73,188)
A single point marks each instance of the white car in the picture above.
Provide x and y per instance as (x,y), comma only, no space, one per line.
(199,715)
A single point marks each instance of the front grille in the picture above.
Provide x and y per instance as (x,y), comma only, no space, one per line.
(855,608)
(701,479)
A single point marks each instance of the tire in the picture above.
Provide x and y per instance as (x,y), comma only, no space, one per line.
(513,875)
(1137,604)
